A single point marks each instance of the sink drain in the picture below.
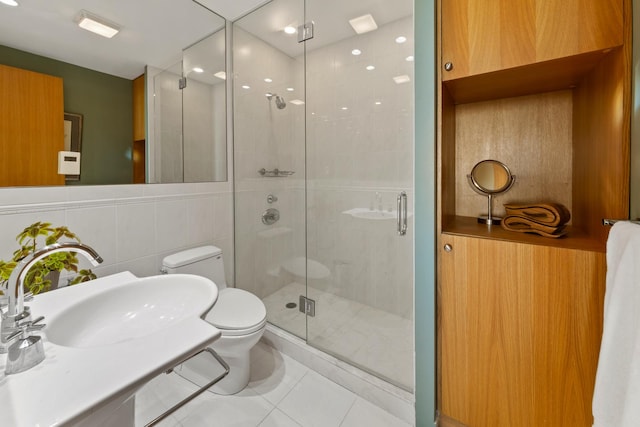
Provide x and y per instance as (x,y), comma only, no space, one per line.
(291,305)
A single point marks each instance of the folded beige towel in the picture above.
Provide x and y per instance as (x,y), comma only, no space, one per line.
(553,214)
(523,224)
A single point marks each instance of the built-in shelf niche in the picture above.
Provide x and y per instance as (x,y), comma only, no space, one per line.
(566,139)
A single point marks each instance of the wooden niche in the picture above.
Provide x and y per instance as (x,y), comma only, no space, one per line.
(545,87)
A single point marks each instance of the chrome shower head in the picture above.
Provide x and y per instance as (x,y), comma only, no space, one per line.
(280,102)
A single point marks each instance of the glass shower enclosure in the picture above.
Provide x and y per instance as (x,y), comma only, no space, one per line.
(323,175)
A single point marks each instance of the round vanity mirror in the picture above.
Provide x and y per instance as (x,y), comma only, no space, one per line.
(490,177)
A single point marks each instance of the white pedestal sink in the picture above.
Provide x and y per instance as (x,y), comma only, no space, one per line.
(104,339)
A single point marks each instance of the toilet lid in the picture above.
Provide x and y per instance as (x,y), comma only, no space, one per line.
(236,309)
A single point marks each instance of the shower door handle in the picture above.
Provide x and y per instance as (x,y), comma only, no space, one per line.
(402,213)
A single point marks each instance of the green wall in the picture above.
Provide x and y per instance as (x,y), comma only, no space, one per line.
(105,102)
(425,194)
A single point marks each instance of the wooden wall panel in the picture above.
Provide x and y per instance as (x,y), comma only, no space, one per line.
(601,131)
(519,343)
(32,128)
(532,135)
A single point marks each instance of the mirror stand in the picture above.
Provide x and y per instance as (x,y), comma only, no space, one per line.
(487,178)
(490,219)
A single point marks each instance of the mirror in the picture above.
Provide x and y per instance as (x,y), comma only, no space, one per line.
(490,177)
(97,77)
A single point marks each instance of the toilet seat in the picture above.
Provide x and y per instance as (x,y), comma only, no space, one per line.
(237,312)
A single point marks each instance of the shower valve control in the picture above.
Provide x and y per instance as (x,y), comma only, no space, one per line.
(270,216)
(271,198)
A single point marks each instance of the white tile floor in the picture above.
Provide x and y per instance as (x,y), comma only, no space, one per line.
(282,393)
(372,339)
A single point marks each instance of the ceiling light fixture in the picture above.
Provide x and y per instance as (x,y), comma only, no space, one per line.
(221,75)
(409,58)
(402,79)
(297,102)
(356,52)
(90,22)
(246,87)
(290,89)
(290,29)
(370,68)
(9,2)
(401,39)
(363,24)
(268,80)
(198,70)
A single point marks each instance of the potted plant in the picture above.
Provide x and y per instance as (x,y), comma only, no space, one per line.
(44,275)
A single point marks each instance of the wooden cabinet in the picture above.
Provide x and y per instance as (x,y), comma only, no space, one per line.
(545,87)
(32,128)
(139,128)
(481,36)
(139,131)
(519,327)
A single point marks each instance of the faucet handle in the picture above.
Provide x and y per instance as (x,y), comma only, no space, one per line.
(24,327)
(24,351)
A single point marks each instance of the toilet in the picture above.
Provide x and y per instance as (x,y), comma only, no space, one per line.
(238,314)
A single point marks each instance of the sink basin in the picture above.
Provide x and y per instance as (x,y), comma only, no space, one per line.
(129,312)
(103,340)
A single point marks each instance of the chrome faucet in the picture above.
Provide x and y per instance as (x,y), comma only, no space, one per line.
(26,351)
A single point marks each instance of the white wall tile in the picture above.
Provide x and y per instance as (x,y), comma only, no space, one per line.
(171,225)
(135,230)
(96,227)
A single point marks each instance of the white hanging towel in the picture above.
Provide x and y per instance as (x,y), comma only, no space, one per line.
(616,398)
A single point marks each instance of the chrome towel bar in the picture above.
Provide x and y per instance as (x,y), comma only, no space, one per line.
(613,221)
(197,392)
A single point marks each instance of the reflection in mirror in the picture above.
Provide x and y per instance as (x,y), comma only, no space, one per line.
(97,77)
(490,177)
(190,123)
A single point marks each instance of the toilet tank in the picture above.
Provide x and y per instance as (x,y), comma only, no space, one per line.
(204,261)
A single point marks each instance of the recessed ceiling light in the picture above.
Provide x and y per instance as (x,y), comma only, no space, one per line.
(246,87)
(370,68)
(401,39)
(221,75)
(198,70)
(401,79)
(9,2)
(289,29)
(90,22)
(356,52)
(344,108)
(290,89)
(297,102)
(268,80)
(378,102)
(409,58)
(363,24)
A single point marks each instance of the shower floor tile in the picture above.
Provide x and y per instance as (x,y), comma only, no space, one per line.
(282,392)
(373,339)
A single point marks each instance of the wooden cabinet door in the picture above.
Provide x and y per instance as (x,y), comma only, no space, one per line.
(519,333)
(31,128)
(480,36)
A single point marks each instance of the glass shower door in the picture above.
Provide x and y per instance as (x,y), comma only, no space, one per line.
(269,151)
(359,160)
